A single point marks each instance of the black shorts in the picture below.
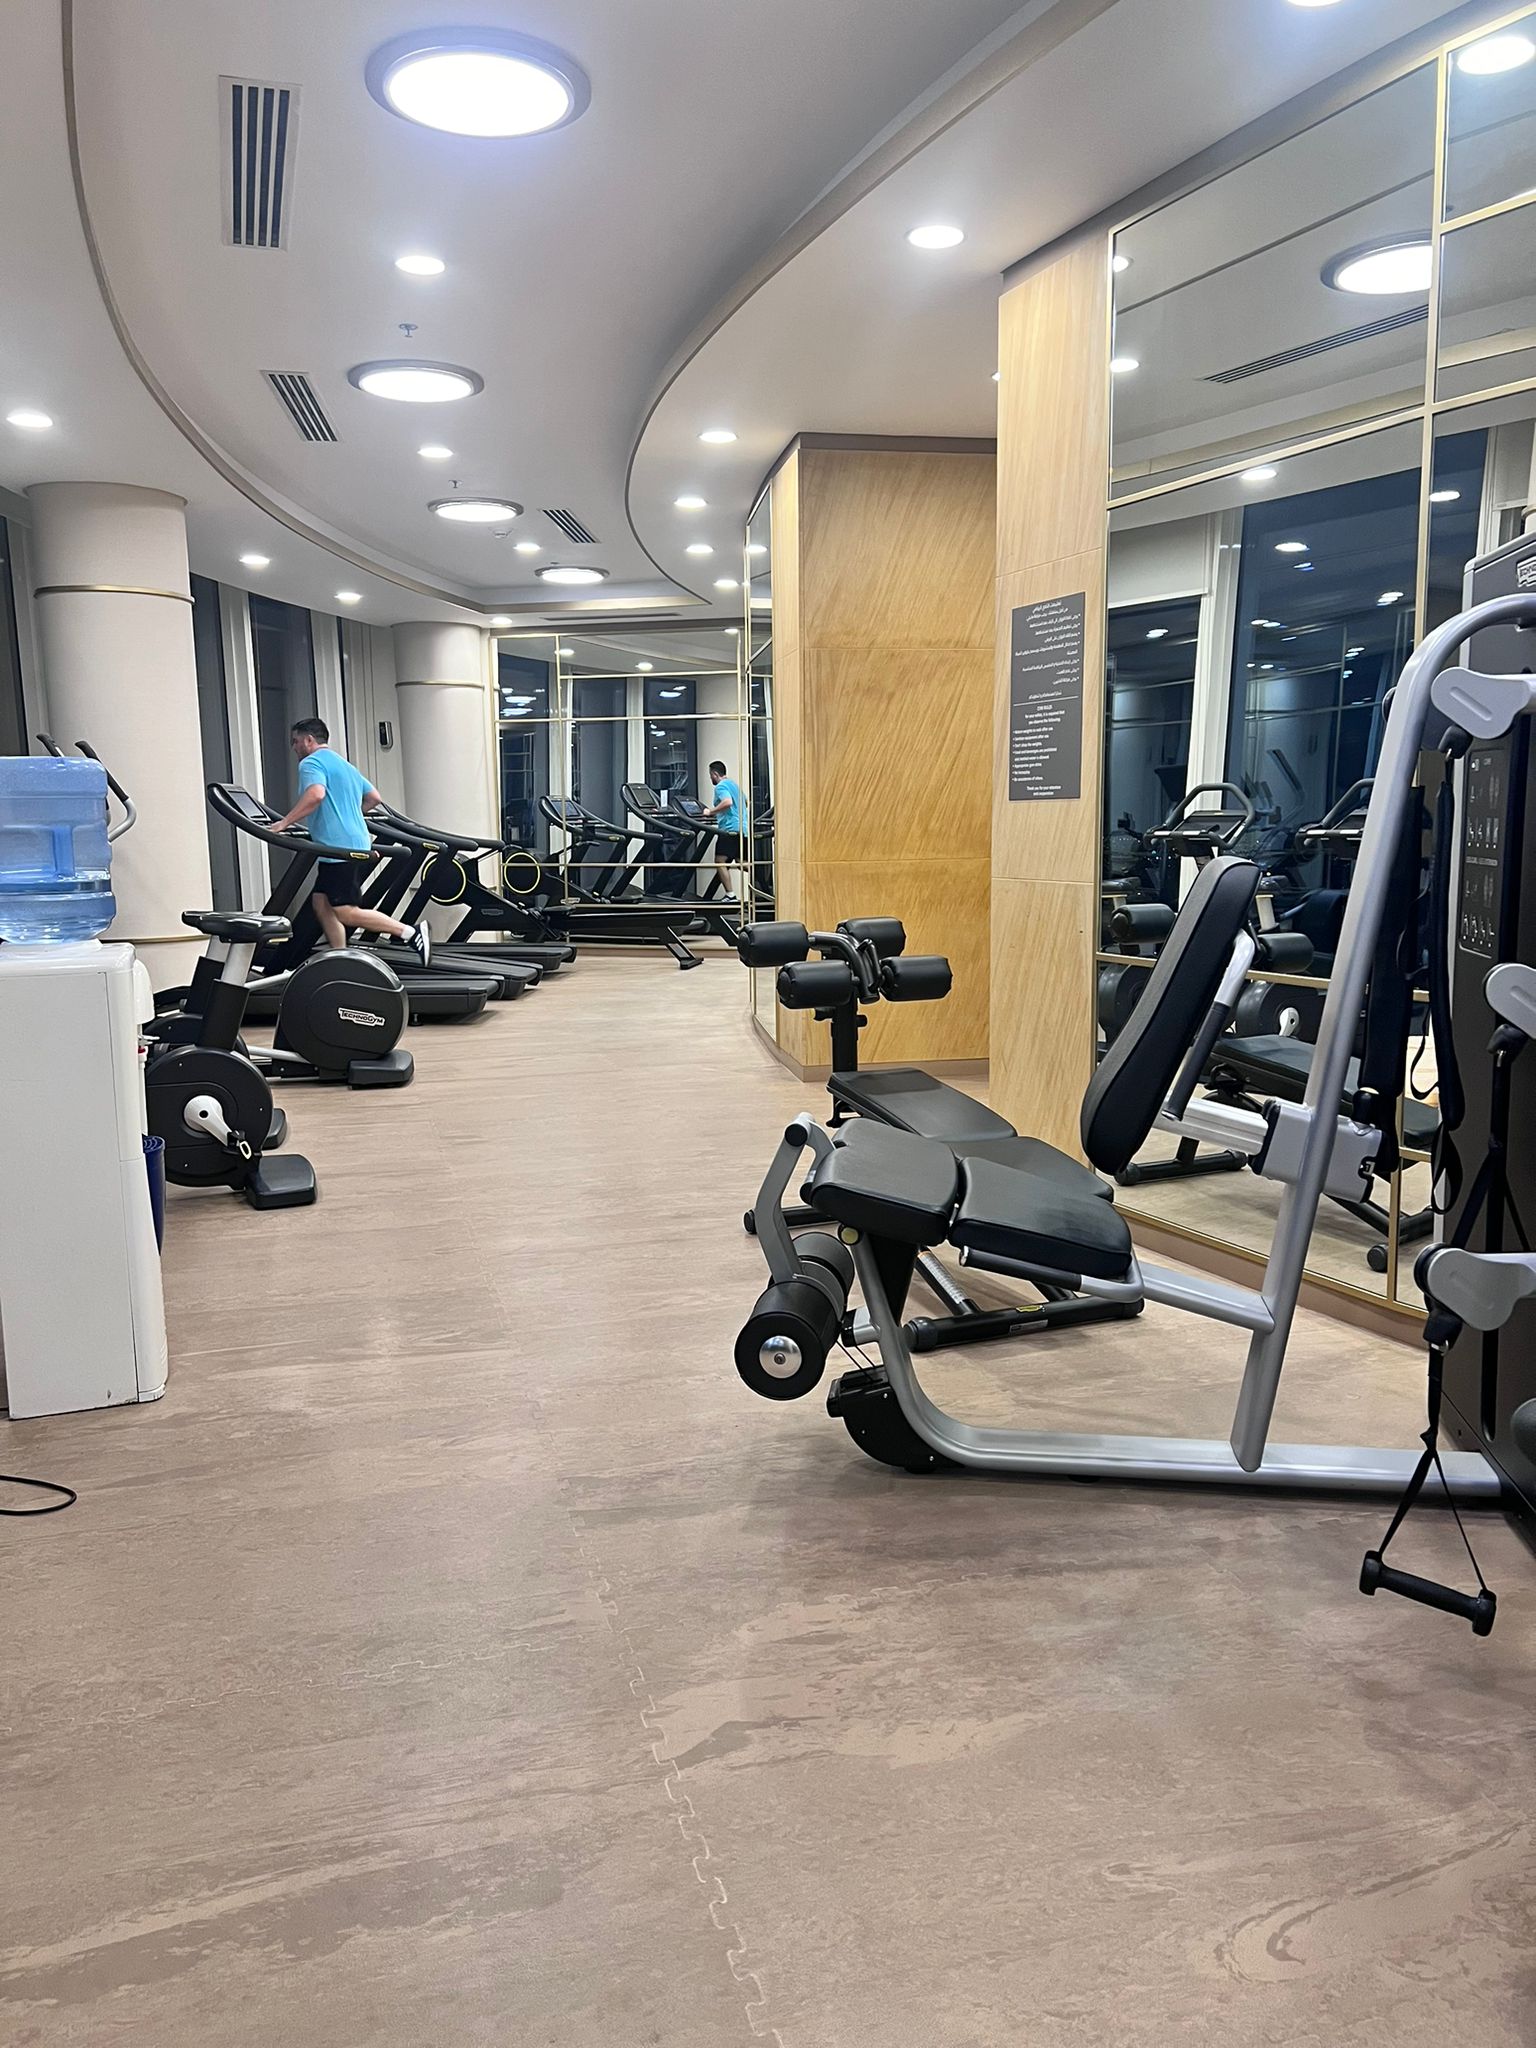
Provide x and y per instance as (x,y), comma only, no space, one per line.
(340,882)
(727,846)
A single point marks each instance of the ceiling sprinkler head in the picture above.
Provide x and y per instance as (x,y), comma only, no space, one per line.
(407,328)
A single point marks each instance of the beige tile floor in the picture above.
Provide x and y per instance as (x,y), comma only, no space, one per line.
(459,1655)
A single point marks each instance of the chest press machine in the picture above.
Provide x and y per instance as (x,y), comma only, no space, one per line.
(887,1196)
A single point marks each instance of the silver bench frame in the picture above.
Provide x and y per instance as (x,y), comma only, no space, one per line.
(1484,706)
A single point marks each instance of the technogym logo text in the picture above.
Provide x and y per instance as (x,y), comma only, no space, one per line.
(360,1017)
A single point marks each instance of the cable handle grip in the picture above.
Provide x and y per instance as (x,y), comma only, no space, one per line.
(1479,1608)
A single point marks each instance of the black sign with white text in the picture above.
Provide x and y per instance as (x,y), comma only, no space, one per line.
(1045,710)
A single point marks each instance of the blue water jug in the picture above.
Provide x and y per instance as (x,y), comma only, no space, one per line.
(55,863)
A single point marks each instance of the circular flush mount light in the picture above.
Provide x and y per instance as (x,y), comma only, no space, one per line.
(717,437)
(691,502)
(482,81)
(1382,268)
(501,618)
(1261,473)
(1492,54)
(1121,366)
(29,419)
(527,547)
(411,383)
(1443,497)
(255,561)
(349,597)
(936,237)
(556,574)
(476,511)
(421,266)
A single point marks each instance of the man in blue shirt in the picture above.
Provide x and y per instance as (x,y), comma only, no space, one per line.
(332,798)
(728,814)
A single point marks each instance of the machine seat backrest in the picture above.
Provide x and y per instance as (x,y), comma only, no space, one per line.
(1133,1081)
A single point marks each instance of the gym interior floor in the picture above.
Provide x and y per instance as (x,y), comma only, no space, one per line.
(460,1653)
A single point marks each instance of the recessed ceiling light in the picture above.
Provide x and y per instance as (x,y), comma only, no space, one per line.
(1261,473)
(997,376)
(484,82)
(671,693)
(1390,597)
(421,266)
(717,437)
(1306,568)
(1158,633)
(349,597)
(756,547)
(1313,3)
(255,561)
(1351,652)
(726,583)
(1290,547)
(434,451)
(698,547)
(1121,366)
(734,632)
(1265,666)
(1443,497)
(475,511)
(526,547)
(936,237)
(1493,54)
(501,618)
(1382,268)
(556,574)
(689,503)
(643,668)
(29,419)
(415,383)
(1119,264)
(566,651)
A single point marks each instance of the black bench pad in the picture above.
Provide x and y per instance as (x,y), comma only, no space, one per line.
(1018,1216)
(911,1100)
(1034,1156)
(887,1183)
(1284,1065)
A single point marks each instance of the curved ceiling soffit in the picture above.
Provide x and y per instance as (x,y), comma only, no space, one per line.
(217,458)
(1030,46)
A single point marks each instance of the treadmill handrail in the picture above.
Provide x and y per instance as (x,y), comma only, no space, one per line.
(222,796)
(435,835)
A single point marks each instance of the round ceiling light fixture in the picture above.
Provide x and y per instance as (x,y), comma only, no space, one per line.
(255,561)
(476,511)
(717,437)
(349,597)
(29,419)
(527,547)
(726,583)
(1493,54)
(555,573)
(421,266)
(434,451)
(1261,473)
(413,383)
(690,502)
(1119,264)
(501,618)
(1158,633)
(483,81)
(698,547)
(643,668)
(1290,547)
(1446,497)
(1382,269)
(937,236)
(1390,597)
(1122,366)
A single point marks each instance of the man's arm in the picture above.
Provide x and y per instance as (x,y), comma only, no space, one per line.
(309,802)
(372,801)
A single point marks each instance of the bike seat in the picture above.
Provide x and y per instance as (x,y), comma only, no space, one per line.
(240,927)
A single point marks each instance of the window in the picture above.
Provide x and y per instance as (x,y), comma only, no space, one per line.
(285,690)
(1149,699)
(213,718)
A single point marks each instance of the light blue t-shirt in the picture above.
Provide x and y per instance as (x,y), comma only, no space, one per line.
(728,792)
(339,820)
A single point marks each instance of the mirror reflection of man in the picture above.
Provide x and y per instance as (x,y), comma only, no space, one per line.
(728,815)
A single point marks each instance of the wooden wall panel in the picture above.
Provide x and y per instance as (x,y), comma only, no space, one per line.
(1053,466)
(884,599)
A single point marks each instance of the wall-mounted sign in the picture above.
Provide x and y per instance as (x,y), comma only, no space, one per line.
(1045,699)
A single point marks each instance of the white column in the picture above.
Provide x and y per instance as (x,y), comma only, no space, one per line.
(113,608)
(442,693)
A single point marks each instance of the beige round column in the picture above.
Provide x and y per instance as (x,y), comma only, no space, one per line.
(113,605)
(442,687)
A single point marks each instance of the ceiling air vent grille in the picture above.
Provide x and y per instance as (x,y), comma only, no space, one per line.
(259,124)
(301,405)
(1390,324)
(570,526)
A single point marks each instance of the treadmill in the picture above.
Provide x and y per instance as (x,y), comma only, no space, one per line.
(596,870)
(677,821)
(407,850)
(447,877)
(433,998)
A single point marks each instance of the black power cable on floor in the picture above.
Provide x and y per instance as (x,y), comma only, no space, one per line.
(44,1486)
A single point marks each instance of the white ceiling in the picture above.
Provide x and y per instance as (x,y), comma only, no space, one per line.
(579,262)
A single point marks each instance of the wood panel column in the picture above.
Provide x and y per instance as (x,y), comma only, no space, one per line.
(883,565)
(1052,471)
